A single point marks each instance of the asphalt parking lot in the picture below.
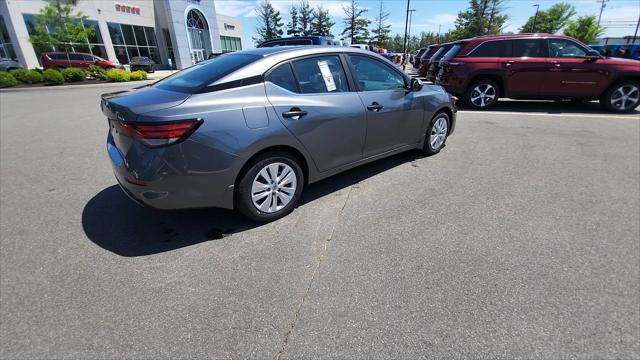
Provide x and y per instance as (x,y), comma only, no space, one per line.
(520,239)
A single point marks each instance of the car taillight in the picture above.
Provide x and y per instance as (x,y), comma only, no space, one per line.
(159,134)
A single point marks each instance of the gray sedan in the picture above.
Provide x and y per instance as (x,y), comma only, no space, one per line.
(250,129)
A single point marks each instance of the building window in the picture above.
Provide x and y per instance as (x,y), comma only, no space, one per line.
(132,40)
(167,40)
(6,47)
(230,43)
(93,45)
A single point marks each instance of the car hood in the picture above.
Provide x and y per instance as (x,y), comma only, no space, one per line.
(130,104)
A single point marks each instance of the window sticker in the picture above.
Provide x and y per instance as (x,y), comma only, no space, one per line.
(327,76)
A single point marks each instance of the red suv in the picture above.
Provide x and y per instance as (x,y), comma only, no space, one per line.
(61,60)
(537,66)
(422,64)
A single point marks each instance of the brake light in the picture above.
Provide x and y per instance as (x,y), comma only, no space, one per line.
(159,134)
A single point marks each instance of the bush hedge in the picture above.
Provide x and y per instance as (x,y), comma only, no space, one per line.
(52,77)
(7,80)
(118,75)
(74,74)
(20,74)
(98,73)
(32,77)
(139,75)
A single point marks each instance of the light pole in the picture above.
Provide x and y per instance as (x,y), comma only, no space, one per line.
(535,17)
(406,23)
(603,4)
(409,31)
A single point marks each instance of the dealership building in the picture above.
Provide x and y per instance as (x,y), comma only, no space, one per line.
(175,33)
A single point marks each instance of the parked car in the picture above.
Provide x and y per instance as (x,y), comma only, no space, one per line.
(9,64)
(242,131)
(538,66)
(434,62)
(301,40)
(416,57)
(423,61)
(214,55)
(61,60)
(142,63)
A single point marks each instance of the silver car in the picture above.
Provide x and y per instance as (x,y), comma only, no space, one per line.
(249,130)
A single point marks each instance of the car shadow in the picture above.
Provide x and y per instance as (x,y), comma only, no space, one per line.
(550,107)
(115,223)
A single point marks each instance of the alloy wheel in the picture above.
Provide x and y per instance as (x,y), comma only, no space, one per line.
(483,95)
(438,132)
(274,187)
(625,97)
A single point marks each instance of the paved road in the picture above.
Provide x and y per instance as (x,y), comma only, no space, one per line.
(520,239)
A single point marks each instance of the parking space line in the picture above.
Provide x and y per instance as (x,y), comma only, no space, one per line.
(551,115)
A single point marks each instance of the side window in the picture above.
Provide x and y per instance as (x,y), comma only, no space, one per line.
(76,57)
(89,58)
(563,48)
(299,42)
(283,76)
(372,75)
(501,48)
(527,48)
(323,74)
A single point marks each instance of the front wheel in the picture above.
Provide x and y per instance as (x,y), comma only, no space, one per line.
(270,187)
(437,133)
(482,94)
(623,97)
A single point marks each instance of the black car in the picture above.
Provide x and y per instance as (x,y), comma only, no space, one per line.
(300,40)
(142,63)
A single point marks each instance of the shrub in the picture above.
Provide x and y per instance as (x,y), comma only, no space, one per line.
(74,74)
(7,80)
(19,74)
(118,75)
(32,77)
(138,75)
(53,77)
(98,73)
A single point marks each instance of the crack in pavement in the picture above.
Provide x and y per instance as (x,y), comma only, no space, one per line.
(313,277)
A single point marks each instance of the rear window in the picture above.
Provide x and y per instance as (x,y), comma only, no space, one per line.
(499,48)
(196,77)
(452,52)
(437,54)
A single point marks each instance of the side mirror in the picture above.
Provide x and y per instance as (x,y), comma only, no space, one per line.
(415,85)
(592,55)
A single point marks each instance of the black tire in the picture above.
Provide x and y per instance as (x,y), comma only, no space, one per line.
(472,93)
(427,148)
(244,202)
(625,85)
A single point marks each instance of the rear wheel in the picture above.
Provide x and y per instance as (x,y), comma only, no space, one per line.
(437,133)
(482,94)
(270,187)
(622,97)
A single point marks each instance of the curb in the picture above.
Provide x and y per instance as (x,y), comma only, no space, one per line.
(106,84)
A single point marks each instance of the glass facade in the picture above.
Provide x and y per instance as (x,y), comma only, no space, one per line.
(133,40)
(93,45)
(6,47)
(230,43)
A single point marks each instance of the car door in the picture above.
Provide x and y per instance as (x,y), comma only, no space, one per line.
(570,72)
(525,67)
(394,116)
(313,100)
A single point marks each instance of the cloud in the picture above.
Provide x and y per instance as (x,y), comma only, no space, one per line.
(236,8)
(429,23)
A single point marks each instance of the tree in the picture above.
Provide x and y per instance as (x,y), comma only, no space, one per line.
(483,17)
(269,22)
(321,23)
(306,16)
(585,29)
(293,27)
(382,29)
(355,24)
(58,27)
(551,20)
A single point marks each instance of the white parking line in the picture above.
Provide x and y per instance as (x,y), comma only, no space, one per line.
(630,116)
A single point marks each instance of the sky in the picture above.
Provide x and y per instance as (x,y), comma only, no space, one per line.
(620,16)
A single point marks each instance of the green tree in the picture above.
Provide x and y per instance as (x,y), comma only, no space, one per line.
(57,27)
(269,22)
(551,20)
(293,27)
(381,28)
(585,29)
(483,17)
(355,24)
(306,16)
(321,23)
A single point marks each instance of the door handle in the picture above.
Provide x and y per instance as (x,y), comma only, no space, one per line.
(375,107)
(294,113)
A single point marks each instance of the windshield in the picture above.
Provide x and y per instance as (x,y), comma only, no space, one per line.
(202,74)
(452,52)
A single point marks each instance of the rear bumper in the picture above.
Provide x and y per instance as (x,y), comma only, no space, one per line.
(454,85)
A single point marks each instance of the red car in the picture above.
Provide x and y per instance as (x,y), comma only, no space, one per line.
(61,60)
(537,66)
(422,64)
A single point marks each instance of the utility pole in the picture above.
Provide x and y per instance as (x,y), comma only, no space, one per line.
(409,32)
(603,4)
(635,34)
(439,26)
(406,24)
(535,17)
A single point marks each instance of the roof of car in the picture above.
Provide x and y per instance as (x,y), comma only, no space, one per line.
(512,36)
